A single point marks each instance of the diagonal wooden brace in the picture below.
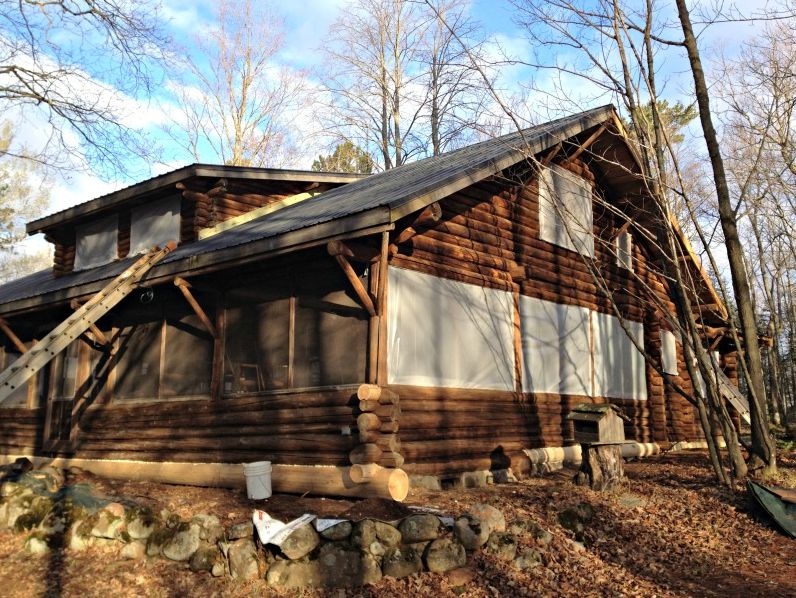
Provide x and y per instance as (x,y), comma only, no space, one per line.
(185,288)
(13,337)
(334,250)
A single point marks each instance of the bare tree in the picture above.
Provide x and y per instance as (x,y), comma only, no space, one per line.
(236,105)
(77,64)
(456,94)
(763,448)
(371,79)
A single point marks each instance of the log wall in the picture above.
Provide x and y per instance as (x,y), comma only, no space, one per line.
(298,427)
(489,235)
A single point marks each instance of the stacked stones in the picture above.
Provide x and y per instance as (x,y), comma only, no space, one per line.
(58,516)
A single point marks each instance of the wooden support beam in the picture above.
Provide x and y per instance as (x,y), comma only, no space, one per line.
(98,334)
(352,277)
(551,154)
(427,217)
(353,250)
(185,288)
(591,139)
(13,337)
(622,229)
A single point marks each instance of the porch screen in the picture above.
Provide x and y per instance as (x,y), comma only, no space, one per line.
(619,368)
(18,398)
(138,368)
(447,333)
(188,360)
(257,342)
(154,223)
(555,347)
(96,243)
(331,337)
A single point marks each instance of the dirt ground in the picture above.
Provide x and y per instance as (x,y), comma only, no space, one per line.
(668,532)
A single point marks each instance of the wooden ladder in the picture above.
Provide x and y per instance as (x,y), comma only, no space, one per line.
(81,320)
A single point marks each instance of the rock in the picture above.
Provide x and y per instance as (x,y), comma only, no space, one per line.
(503,476)
(141,526)
(364,534)
(108,526)
(219,569)
(243,559)
(36,545)
(210,528)
(401,562)
(52,524)
(429,482)
(474,527)
(387,534)
(461,576)
(528,559)
(241,530)
(183,543)
(444,554)
(522,527)
(338,532)
(134,551)
(205,558)
(301,542)
(576,518)
(341,566)
(78,539)
(420,528)
(294,574)
(114,508)
(503,545)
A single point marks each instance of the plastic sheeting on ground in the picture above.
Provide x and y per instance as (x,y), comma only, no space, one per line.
(447,333)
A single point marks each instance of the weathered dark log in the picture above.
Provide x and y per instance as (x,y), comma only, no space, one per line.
(601,466)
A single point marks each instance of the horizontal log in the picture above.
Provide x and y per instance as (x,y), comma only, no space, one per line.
(383,395)
(365,453)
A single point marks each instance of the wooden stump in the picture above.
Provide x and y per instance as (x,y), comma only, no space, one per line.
(601,467)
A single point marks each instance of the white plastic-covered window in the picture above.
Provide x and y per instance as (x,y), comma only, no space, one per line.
(154,223)
(619,367)
(555,347)
(624,250)
(96,243)
(669,352)
(449,334)
(565,210)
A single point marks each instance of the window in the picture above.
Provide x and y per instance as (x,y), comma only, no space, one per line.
(96,243)
(624,250)
(285,333)
(447,333)
(154,223)
(555,347)
(669,352)
(565,210)
(619,367)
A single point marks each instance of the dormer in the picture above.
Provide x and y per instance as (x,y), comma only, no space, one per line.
(185,205)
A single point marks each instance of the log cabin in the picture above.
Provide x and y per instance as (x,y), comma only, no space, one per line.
(440,317)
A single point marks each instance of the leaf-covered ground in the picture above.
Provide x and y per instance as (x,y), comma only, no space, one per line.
(668,532)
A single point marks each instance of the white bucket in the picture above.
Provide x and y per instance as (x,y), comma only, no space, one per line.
(258,479)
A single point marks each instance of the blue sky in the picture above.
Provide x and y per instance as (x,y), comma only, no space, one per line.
(305,25)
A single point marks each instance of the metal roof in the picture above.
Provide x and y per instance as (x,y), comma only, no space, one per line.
(367,203)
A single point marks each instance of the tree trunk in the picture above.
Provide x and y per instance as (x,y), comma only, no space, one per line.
(602,466)
(762,449)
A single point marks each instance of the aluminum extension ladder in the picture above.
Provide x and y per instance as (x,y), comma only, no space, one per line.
(732,395)
(81,320)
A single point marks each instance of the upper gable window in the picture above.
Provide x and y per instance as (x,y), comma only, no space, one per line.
(154,223)
(96,243)
(565,210)
(624,250)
